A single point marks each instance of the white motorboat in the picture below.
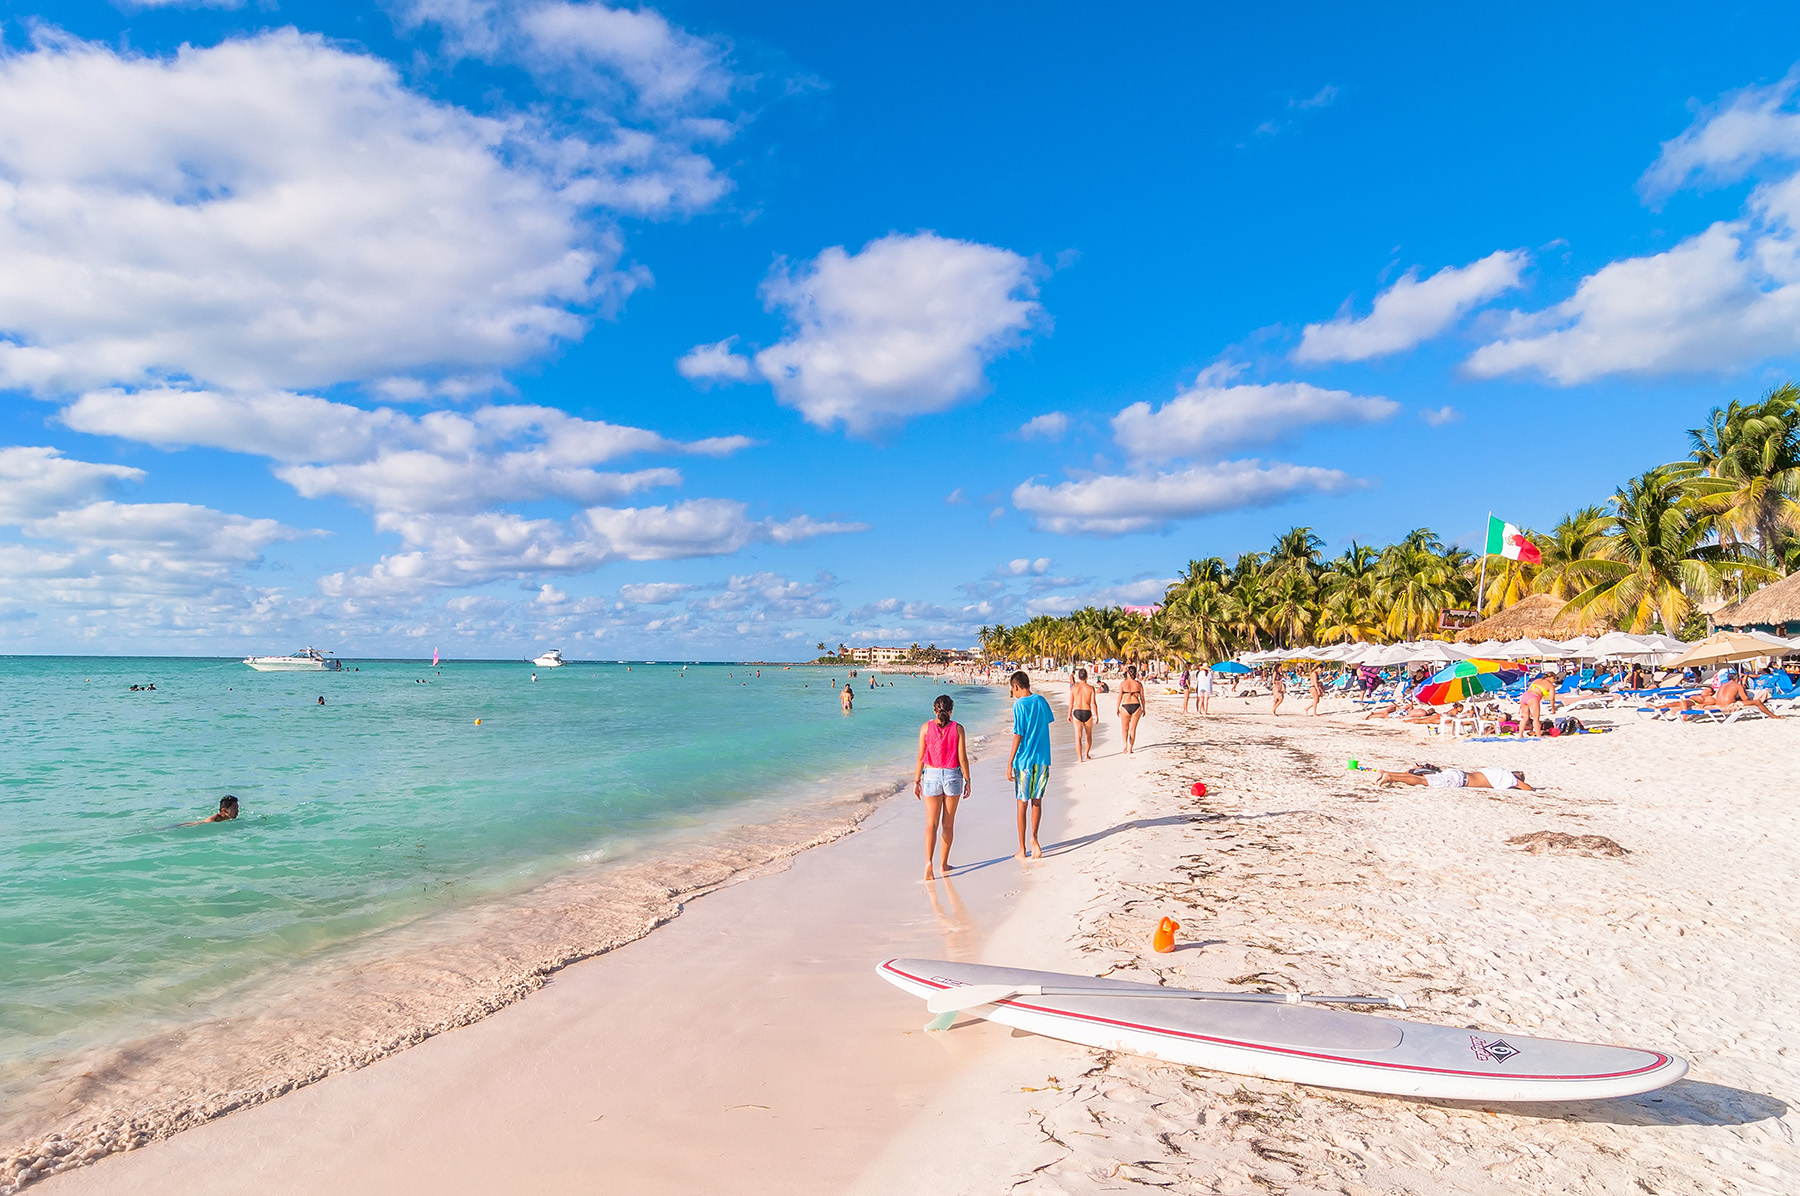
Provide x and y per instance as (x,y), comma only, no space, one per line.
(306,660)
(550,660)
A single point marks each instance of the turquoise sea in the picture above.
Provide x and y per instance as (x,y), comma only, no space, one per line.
(386,804)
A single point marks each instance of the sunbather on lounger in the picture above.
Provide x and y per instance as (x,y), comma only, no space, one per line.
(1456,778)
(1429,717)
(1733,696)
(1707,697)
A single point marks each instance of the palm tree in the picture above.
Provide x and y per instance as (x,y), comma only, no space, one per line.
(1199,609)
(1418,578)
(1295,550)
(1658,559)
(1567,549)
(1349,589)
(1746,464)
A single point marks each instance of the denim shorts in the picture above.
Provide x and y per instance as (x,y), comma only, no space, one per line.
(941,782)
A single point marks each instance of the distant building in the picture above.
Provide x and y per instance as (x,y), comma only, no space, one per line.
(876,655)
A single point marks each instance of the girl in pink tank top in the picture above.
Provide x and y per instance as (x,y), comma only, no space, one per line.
(941,781)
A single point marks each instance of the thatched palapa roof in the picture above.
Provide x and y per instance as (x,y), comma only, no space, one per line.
(1535,616)
(1775,605)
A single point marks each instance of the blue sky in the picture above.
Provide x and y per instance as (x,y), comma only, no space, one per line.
(716,331)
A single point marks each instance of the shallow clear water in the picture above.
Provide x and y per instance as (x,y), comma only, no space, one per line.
(386,803)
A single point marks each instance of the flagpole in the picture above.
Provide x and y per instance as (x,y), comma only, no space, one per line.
(1481,587)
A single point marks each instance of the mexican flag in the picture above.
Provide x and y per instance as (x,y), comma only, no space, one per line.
(1505,539)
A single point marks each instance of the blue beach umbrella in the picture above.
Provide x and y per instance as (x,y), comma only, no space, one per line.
(1230,666)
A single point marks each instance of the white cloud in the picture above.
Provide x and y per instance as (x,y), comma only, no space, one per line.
(389,460)
(1437,417)
(1048,426)
(1025,565)
(1325,97)
(770,596)
(1144,592)
(36,481)
(1412,311)
(124,569)
(904,327)
(1111,505)
(418,482)
(666,66)
(166,530)
(653,593)
(276,211)
(1211,420)
(716,363)
(586,49)
(1722,299)
(439,551)
(1729,139)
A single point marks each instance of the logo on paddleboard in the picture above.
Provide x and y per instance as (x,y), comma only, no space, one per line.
(1497,1051)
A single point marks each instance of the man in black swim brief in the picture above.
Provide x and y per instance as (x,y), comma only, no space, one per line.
(1081,713)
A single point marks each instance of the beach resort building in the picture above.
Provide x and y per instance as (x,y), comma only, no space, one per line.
(877,655)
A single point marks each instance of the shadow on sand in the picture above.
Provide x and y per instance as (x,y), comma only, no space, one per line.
(1063,847)
(1685,1102)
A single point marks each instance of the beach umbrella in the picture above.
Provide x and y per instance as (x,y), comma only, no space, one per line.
(1438,651)
(1230,666)
(1619,644)
(1731,645)
(1530,649)
(1465,679)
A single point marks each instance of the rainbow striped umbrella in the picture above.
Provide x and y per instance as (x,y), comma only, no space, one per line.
(1464,679)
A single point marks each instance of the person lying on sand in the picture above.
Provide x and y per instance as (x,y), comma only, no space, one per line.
(1456,778)
(1397,710)
(228,810)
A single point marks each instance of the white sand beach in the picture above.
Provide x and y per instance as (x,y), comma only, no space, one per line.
(748,1047)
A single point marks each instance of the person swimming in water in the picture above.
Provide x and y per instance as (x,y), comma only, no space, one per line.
(849,698)
(228,812)
(321,699)
(1081,713)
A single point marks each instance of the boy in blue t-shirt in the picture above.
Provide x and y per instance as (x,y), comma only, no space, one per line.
(1029,767)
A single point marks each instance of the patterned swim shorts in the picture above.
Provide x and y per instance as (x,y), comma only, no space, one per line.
(1031,782)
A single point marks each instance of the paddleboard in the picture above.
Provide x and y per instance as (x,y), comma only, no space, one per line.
(1303,1044)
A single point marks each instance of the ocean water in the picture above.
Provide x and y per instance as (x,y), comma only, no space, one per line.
(384,807)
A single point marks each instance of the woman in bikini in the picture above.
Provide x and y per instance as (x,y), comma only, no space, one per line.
(1130,706)
(1277,689)
(941,779)
(1318,690)
(1531,702)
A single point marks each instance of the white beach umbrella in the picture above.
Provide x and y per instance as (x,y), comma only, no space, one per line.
(1439,651)
(1393,654)
(1525,649)
(1618,645)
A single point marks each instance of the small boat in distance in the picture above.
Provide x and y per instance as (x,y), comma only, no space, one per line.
(306,660)
(550,660)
